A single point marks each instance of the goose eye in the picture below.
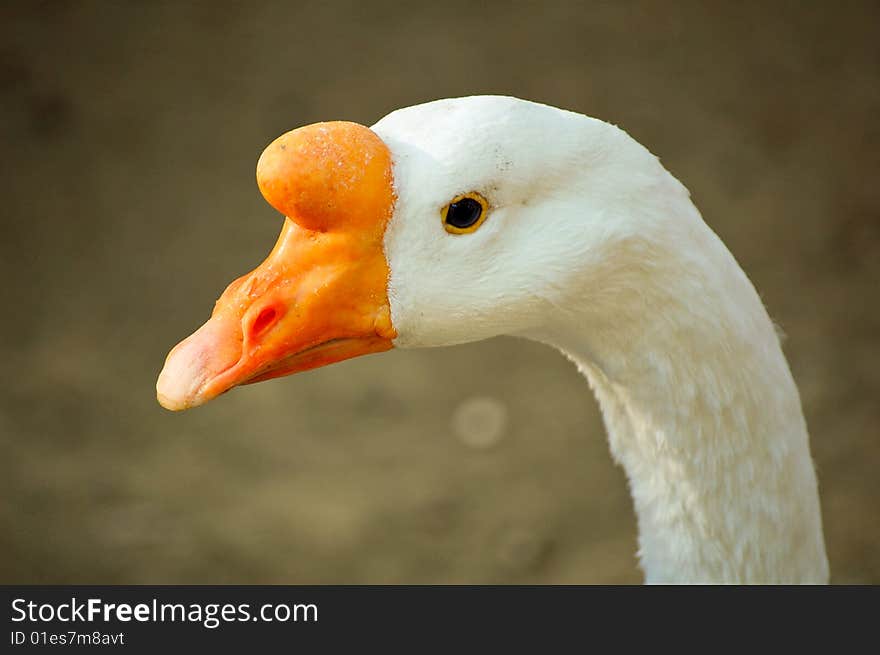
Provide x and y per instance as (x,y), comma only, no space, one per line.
(465,213)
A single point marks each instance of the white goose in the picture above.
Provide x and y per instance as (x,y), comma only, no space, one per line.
(463,219)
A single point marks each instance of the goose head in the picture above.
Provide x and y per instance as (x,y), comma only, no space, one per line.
(464,219)
(444,223)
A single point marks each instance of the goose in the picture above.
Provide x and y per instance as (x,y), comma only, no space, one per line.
(467,218)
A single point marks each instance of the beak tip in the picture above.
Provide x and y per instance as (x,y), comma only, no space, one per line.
(169,403)
(188,378)
(176,399)
(170,395)
(178,385)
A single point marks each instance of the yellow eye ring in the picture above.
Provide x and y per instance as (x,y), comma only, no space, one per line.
(465,213)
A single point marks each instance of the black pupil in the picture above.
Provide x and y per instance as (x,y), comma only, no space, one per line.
(464,213)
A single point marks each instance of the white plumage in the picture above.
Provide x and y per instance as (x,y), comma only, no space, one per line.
(593,247)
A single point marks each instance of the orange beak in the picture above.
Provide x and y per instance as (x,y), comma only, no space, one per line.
(321,295)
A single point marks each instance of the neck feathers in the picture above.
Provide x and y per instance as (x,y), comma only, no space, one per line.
(719,468)
(703,414)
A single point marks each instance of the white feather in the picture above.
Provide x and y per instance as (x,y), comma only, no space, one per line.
(593,247)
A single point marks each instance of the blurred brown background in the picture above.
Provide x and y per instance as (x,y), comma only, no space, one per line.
(130,133)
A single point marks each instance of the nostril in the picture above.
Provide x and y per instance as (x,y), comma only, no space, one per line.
(264,320)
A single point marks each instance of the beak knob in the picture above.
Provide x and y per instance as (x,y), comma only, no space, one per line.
(326,176)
